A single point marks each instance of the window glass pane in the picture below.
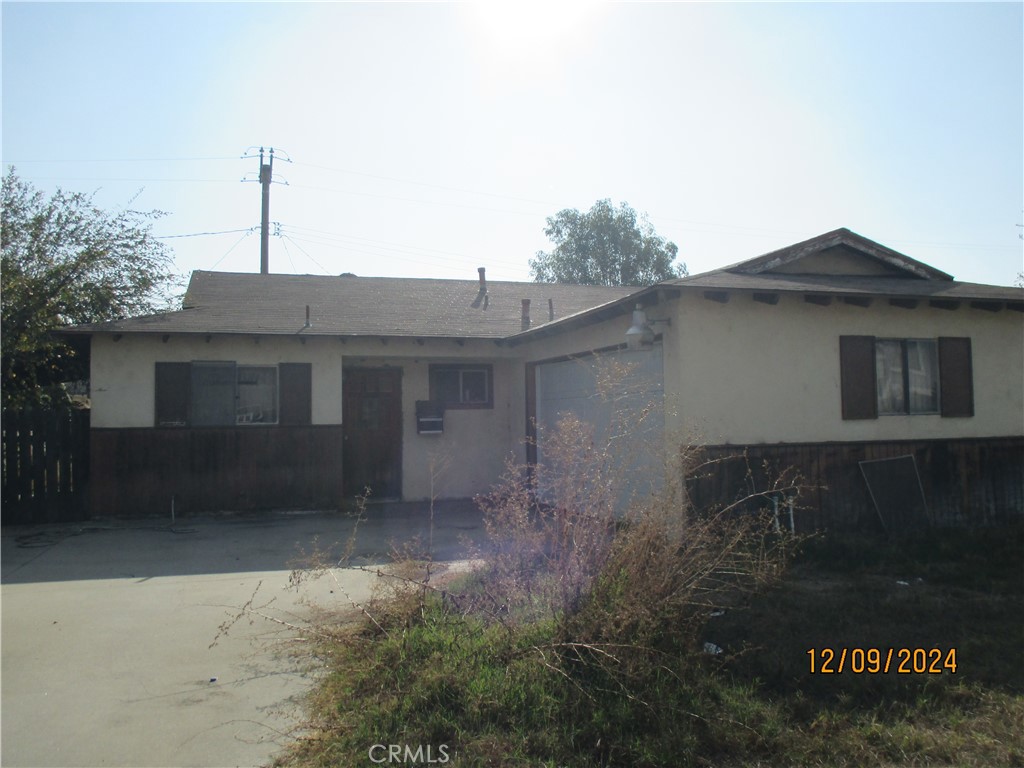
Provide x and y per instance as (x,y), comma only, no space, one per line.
(889,376)
(923,376)
(213,394)
(474,386)
(444,385)
(257,395)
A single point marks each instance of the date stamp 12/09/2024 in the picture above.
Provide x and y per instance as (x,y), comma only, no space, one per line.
(880,661)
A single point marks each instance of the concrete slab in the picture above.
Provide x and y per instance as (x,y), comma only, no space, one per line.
(107,630)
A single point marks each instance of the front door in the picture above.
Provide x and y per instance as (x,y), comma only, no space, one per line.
(372,402)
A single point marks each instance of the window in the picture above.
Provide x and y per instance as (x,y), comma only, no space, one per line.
(462,386)
(905,376)
(256,395)
(223,393)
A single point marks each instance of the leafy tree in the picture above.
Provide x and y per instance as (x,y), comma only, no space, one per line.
(605,246)
(64,261)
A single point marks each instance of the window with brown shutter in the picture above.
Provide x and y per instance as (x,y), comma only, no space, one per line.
(172,394)
(222,393)
(905,376)
(857,377)
(296,393)
(956,377)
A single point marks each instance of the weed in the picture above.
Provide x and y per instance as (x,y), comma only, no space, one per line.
(606,628)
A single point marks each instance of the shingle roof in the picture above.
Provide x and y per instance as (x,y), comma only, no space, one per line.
(907,279)
(841,237)
(851,285)
(246,303)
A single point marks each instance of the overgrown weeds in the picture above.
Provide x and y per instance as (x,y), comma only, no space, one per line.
(579,639)
(605,628)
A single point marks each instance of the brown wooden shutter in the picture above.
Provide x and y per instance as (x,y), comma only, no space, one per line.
(173,381)
(956,377)
(857,377)
(295,393)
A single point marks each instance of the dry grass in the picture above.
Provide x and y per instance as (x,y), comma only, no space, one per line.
(582,638)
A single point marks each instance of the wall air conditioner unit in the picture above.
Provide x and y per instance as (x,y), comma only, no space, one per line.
(429,417)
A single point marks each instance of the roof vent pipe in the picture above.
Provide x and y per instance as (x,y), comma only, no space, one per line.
(483,279)
(526,314)
(551,309)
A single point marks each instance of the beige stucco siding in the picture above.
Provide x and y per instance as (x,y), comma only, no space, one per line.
(747,372)
(123,373)
(469,457)
(466,460)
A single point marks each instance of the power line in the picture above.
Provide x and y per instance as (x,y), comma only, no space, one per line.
(414,200)
(229,250)
(286,237)
(203,234)
(117,178)
(378,247)
(288,253)
(124,160)
(426,184)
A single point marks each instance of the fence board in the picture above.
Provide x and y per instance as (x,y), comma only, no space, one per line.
(970,482)
(44,466)
(137,472)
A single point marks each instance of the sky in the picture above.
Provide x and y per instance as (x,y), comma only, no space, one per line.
(430,139)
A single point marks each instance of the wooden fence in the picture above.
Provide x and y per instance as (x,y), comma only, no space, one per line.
(45,466)
(968,482)
(142,472)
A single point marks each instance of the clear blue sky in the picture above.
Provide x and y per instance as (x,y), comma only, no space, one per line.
(430,139)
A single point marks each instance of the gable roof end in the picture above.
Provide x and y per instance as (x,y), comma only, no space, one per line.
(839,237)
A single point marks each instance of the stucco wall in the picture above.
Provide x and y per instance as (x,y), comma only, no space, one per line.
(123,383)
(748,372)
(469,457)
(741,372)
(744,372)
(466,460)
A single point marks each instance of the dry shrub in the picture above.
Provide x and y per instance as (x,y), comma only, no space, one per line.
(624,575)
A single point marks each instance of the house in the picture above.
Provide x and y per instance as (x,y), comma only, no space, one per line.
(301,391)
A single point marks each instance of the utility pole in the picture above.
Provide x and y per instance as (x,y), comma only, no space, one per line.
(266,176)
(266,179)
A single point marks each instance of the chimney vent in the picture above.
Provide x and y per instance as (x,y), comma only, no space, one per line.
(526,314)
(483,279)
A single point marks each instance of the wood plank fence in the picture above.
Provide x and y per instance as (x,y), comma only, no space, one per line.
(141,472)
(966,482)
(45,466)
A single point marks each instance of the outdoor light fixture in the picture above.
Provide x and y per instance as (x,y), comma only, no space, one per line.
(641,333)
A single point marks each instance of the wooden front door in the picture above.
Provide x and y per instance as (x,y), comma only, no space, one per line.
(372,401)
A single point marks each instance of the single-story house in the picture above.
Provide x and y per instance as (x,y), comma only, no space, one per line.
(297,391)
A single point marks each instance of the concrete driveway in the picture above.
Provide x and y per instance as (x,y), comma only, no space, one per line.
(107,628)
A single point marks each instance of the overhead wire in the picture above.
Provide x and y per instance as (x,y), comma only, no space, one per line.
(203,234)
(125,160)
(725,228)
(322,269)
(229,250)
(426,184)
(288,253)
(411,199)
(401,253)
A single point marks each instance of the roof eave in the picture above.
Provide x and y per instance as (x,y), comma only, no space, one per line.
(837,237)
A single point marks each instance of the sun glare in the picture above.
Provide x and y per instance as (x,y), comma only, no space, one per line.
(529,24)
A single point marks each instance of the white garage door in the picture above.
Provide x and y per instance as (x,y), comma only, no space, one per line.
(620,396)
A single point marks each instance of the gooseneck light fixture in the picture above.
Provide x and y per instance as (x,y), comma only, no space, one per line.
(641,333)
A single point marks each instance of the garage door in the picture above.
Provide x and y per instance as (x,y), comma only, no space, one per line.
(620,396)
